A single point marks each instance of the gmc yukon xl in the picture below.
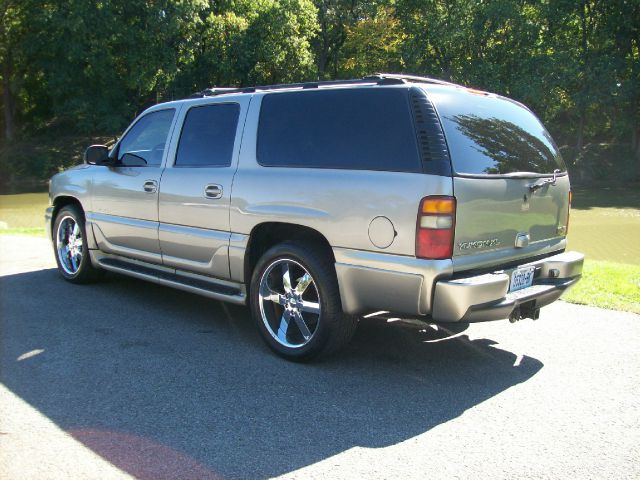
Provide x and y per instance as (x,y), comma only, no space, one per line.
(319,203)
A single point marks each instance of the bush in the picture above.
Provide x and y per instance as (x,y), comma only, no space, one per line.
(28,164)
(600,163)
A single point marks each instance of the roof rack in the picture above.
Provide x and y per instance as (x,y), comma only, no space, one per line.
(212,91)
(375,79)
(414,78)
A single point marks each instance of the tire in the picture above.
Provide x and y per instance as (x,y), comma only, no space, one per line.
(303,320)
(71,252)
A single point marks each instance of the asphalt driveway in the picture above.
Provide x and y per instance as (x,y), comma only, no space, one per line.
(128,379)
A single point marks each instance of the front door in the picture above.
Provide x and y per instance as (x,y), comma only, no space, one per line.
(125,196)
(195,191)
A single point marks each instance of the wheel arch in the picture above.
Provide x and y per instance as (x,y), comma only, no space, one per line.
(265,235)
(62,201)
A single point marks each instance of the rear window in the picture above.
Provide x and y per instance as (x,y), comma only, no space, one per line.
(489,135)
(362,129)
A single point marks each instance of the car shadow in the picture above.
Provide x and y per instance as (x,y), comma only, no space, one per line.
(165,384)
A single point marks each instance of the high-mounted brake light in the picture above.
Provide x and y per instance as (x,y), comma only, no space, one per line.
(435,227)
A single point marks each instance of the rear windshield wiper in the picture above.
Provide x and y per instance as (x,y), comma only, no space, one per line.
(544,181)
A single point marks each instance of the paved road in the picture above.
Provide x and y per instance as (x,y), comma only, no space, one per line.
(125,378)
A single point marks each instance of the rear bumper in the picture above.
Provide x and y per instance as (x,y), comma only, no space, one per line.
(408,286)
(486,297)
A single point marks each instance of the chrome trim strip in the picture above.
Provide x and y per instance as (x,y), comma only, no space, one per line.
(133,222)
(194,231)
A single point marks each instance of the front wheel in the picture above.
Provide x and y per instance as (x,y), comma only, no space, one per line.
(296,304)
(70,245)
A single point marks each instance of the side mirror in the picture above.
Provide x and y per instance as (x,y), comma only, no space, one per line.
(97,155)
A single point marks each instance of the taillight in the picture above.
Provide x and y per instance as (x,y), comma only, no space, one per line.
(436,226)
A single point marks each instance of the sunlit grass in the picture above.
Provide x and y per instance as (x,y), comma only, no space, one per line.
(609,285)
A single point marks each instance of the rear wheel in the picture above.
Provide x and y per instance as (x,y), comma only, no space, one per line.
(71,249)
(296,303)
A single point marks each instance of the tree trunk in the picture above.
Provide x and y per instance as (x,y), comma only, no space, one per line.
(7,100)
(583,11)
(324,50)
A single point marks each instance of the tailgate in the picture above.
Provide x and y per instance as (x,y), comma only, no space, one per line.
(510,182)
(504,214)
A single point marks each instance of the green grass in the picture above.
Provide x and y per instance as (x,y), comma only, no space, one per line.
(608,285)
(604,225)
(23,213)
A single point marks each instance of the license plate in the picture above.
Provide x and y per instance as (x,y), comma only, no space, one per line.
(521,278)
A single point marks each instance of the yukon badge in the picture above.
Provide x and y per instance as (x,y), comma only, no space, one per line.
(474,244)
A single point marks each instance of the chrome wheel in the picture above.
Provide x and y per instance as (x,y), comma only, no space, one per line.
(69,245)
(289,303)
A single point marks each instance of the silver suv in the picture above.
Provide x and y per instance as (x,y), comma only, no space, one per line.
(320,203)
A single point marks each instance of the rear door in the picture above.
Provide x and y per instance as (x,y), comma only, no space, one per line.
(510,182)
(196,187)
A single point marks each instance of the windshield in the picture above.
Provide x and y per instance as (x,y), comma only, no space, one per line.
(489,135)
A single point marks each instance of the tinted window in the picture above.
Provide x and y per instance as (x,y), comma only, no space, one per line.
(490,135)
(367,129)
(208,135)
(144,144)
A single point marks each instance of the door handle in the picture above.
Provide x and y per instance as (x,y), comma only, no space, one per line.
(150,186)
(213,191)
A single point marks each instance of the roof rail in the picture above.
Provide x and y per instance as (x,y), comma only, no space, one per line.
(212,91)
(371,80)
(375,79)
(413,78)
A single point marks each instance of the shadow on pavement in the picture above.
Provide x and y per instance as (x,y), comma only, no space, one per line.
(165,384)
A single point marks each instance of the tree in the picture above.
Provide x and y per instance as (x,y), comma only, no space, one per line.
(91,66)
(372,44)
(277,44)
(11,23)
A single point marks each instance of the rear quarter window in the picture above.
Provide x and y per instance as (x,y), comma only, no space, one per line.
(361,129)
(489,135)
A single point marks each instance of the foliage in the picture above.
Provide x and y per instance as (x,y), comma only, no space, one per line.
(88,67)
(373,44)
(26,164)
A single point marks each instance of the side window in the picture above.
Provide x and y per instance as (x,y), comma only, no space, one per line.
(361,129)
(208,136)
(144,144)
